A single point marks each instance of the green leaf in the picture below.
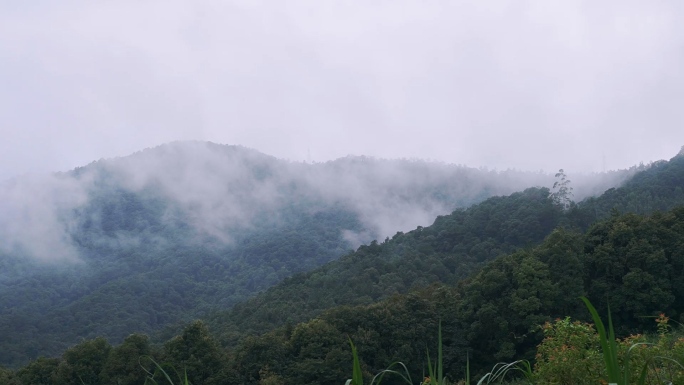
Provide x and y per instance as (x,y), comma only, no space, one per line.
(608,344)
(357,375)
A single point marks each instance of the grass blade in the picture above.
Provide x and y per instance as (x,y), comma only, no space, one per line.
(500,370)
(406,377)
(467,379)
(440,374)
(160,369)
(608,344)
(357,375)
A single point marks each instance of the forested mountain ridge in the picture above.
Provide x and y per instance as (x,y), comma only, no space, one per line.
(492,315)
(454,246)
(632,261)
(135,244)
(659,188)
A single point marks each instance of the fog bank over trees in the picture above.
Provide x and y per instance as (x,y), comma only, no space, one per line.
(219,189)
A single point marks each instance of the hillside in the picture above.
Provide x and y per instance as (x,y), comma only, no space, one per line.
(143,242)
(454,246)
(494,315)
(632,260)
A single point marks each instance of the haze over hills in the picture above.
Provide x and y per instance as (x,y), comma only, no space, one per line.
(536,259)
(169,233)
(482,164)
(166,234)
(218,189)
(144,263)
(218,192)
(453,247)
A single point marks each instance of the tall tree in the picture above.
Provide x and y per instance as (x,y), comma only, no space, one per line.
(123,366)
(5,375)
(83,363)
(41,371)
(562,194)
(197,353)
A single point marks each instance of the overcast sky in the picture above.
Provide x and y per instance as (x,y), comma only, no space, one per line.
(583,85)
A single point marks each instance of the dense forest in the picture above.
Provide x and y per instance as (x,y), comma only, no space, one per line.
(492,273)
(494,315)
(454,246)
(147,242)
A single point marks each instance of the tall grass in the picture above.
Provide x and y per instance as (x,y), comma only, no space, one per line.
(501,370)
(618,375)
(160,372)
(357,374)
(436,369)
(618,367)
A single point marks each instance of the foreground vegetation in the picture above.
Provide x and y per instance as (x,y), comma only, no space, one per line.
(497,275)
(571,353)
(493,316)
(183,230)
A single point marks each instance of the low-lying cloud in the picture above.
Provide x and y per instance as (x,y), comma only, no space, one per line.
(36,216)
(220,190)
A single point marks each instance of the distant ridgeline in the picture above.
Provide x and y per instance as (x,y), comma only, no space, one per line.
(492,273)
(633,261)
(148,242)
(452,248)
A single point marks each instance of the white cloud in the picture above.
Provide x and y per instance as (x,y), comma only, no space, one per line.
(509,84)
(36,216)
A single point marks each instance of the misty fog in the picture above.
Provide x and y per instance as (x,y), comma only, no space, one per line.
(222,189)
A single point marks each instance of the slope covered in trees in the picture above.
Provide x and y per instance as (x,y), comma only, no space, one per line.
(632,261)
(659,188)
(454,246)
(136,244)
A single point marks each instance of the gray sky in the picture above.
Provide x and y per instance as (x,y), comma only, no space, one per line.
(531,85)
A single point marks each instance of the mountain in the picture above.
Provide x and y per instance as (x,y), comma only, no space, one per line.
(609,248)
(184,230)
(487,272)
(632,261)
(449,250)
(491,273)
(455,246)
